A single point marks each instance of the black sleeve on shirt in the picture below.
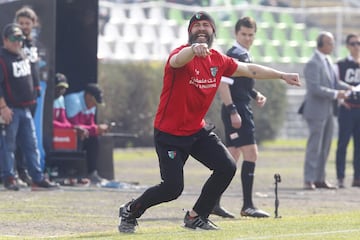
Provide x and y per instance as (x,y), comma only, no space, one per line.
(2,78)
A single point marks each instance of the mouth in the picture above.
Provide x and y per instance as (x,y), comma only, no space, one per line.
(202,37)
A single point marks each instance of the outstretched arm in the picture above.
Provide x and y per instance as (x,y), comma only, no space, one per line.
(261,72)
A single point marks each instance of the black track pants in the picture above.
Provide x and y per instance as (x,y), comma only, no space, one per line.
(173,151)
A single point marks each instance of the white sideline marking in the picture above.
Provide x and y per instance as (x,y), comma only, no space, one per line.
(302,234)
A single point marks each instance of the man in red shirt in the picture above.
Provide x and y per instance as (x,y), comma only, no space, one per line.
(191,78)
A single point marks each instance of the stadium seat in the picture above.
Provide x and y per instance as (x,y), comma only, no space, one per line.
(251,13)
(166,33)
(112,31)
(130,33)
(148,33)
(312,34)
(122,51)
(256,55)
(156,15)
(159,51)
(136,14)
(104,49)
(182,34)
(271,53)
(176,15)
(224,36)
(297,34)
(117,14)
(262,34)
(227,19)
(289,54)
(268,18)
(141,51)
(306,52)
(286,19)
(280,35)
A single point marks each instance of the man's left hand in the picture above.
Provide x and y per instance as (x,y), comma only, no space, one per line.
(291,79)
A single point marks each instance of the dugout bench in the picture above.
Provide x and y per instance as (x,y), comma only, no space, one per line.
(67,160)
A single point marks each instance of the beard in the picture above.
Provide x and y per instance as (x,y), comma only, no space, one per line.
(193,38)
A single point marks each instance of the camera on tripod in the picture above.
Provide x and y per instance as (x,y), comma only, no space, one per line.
(277,178)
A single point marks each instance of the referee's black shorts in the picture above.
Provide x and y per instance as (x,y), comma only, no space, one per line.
(245,135)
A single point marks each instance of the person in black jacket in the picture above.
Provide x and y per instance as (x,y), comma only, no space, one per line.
(348,70)
(16,98)
(28,20)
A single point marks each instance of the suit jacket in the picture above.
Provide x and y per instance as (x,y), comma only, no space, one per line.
(320,92)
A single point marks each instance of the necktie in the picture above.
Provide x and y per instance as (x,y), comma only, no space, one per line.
(331,72)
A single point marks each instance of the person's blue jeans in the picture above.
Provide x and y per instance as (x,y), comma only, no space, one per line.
(21,130)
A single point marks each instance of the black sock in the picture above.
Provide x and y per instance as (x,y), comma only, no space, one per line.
(247,180)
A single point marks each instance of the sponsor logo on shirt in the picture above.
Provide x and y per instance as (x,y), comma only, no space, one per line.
(203,83)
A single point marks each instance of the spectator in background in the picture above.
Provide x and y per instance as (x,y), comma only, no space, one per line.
(322,91)
(16,98)
(236,94)
(60,121)
(348,70)
(28,20)
(80,110)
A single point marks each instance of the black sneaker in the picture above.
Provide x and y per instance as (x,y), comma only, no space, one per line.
(253,212)
(11,184)
(198,222)
(222,212)
(127,222)
(24,176)
(44,185)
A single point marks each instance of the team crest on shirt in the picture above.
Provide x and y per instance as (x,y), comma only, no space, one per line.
(172,154)
(213,71)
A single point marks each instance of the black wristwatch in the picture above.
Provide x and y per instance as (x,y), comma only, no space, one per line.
(231,109)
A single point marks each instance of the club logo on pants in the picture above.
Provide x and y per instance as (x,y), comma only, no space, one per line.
(172,154)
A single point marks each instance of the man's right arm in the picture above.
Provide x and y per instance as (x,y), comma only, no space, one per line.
(186,54)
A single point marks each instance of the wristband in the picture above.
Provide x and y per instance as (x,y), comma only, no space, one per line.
(231,109)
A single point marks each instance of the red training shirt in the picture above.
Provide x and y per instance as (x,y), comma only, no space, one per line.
(188,92)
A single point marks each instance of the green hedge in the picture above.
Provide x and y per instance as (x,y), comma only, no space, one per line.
(132,92)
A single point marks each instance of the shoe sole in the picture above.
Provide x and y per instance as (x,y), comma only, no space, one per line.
(125,230)
(254,216)
(197,228)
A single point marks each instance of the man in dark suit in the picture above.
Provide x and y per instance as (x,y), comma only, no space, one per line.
(323,90)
